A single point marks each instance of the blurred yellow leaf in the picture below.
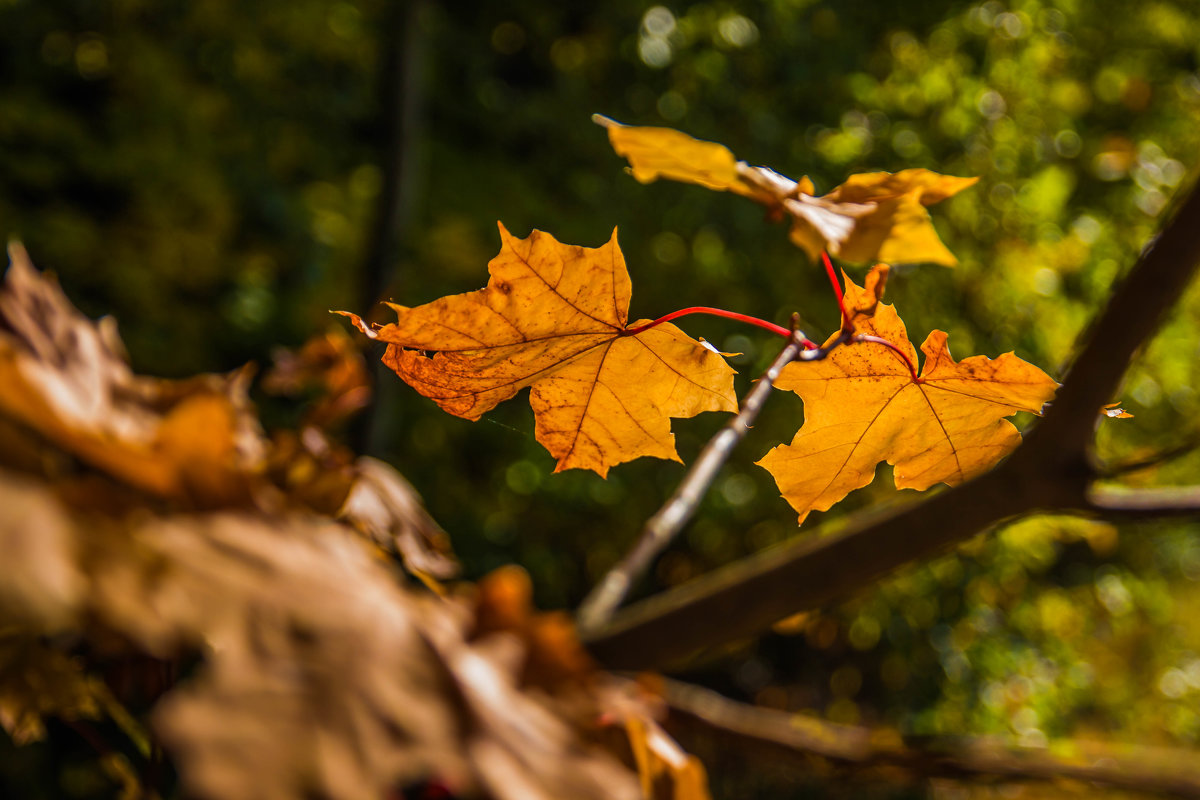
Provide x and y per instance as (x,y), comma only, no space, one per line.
(665,770)
(1114,411)
(888,220)
(874,216)
(655,153)
(37,681)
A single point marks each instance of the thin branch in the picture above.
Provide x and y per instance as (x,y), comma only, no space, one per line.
(598,607)
(1173,772)
(1118,502)
(1189,443)
(1049,472)
(400,128)
(1134,313)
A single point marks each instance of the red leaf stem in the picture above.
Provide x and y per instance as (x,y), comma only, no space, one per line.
(719,312)
(837,288)
(912,368)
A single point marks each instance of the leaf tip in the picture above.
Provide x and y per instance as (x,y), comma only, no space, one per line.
(358,322)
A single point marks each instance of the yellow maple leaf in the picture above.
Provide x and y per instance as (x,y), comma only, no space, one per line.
(655,153)
(872,216)
(863,405)
(554,317)
(878,216)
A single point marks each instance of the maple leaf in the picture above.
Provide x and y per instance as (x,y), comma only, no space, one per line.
(655,153)
(872,216)
(555,317)
(888,218)
(863,405)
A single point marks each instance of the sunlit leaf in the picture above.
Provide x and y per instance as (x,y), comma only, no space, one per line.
(554,317)
(876,216)
(863,406)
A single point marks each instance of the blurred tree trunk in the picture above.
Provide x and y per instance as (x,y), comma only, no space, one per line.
(399,126)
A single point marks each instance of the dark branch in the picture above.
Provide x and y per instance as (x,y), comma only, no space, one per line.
(1050,472)
(748,596)
(1188,443)
(1134,313)
(1119,503)
(1144,769)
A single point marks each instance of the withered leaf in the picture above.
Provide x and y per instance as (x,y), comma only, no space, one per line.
(875,216)
(318,674)
(385,507)
(554,317)
(329,365)
(65,377)
(862,406)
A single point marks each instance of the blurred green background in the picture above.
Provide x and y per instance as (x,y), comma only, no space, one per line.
(214,175)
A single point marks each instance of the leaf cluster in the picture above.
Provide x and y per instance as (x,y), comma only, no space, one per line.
(554,317)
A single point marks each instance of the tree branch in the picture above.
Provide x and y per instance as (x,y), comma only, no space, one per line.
(1120,503)
(399,126)
(1156,770)
(1187,443)
(1134,313)
(1049,472)
(598,607)
(748,596)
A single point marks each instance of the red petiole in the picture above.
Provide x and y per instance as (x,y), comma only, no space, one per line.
(778,330)
(912,368)
(837,288)
(863,337)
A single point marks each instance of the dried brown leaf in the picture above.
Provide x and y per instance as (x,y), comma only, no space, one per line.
(66,378)
(328,365)
(385,507)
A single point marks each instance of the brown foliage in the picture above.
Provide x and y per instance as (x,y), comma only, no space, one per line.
(153,518)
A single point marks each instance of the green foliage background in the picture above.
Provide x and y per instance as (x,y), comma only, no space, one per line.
(209,173)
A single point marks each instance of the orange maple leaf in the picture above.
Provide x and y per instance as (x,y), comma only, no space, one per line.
(863,405)
(877,216)
(872,216)
(555,317)
(655,153)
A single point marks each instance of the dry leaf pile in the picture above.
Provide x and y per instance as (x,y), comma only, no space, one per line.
(152,522)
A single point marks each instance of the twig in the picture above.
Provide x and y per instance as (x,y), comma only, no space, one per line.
(1187,444)
(1117,502)
(400,128)
(1049,472)
(1157,770)
(658,532)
